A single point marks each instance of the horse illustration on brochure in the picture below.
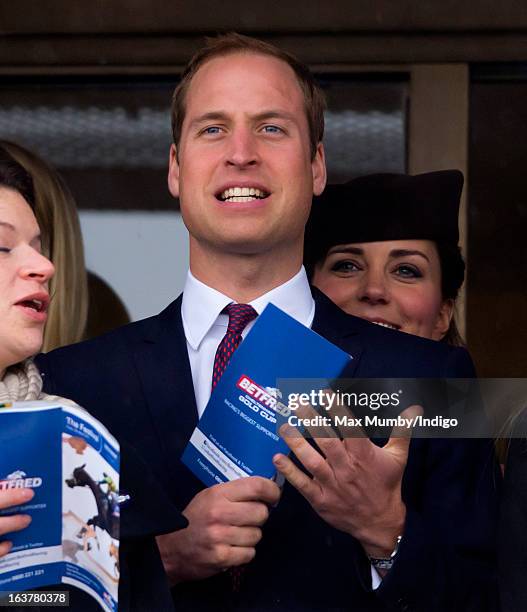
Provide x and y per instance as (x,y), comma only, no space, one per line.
(106,498)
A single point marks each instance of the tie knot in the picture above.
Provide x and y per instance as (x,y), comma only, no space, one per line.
(240,315)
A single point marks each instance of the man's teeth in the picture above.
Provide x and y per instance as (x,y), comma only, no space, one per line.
(241,194)
(385,325)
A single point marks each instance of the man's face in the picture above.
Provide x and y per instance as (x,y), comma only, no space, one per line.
(243,171)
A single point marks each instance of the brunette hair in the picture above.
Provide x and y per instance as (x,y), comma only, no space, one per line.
(227,44)
(452,277)
(14,176)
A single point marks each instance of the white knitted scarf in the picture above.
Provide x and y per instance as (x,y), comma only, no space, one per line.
(22,382)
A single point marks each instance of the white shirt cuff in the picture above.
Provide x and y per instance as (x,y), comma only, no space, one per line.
(375,578)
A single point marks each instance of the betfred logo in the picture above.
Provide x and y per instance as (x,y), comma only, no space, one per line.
(262,396)
(19,480)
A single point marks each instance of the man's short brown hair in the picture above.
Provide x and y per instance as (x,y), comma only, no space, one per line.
(227,44)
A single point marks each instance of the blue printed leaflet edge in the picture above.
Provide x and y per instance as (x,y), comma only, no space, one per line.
(237,434)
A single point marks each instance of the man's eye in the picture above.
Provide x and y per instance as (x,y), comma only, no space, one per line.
(213,129)
(272,129)
(407,271)
(345,265)
(4,250)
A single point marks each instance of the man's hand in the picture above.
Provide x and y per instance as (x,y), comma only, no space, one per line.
(356,485)
(224,528)
(8,498)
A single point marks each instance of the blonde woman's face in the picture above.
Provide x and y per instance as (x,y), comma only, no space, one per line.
(393,283)
(24,276)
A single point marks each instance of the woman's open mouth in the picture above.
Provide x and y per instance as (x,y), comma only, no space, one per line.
(35,307)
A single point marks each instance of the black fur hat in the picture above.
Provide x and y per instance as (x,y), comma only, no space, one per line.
(381,207)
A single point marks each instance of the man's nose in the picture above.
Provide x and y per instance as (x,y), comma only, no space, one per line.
(36,266)
(373,288)
(243,149)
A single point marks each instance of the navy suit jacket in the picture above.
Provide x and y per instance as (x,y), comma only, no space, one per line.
(137,380)
(512,549)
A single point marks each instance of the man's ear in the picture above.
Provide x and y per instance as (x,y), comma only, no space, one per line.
(318,167)
(173,172)
(444,317)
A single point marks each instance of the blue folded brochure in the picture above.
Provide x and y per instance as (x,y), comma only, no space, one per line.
(237,434)
(71,462)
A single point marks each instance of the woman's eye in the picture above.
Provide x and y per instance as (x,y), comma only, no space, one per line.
(4,250)
(407,271)
(345,265)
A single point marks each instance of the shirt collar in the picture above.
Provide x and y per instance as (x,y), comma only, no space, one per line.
(202,304)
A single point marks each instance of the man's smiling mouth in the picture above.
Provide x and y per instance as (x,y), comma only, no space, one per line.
(242,194)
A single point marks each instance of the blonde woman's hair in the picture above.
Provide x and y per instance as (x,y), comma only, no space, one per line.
(57,217)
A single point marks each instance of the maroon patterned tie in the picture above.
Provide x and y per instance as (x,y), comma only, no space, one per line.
(240,315)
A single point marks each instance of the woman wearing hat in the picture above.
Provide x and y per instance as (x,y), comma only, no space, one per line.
(384,247)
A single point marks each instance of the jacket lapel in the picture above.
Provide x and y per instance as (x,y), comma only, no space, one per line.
(162,364)
(338,327)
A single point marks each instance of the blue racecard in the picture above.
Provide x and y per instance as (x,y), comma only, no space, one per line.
(237,434)
(71,463)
